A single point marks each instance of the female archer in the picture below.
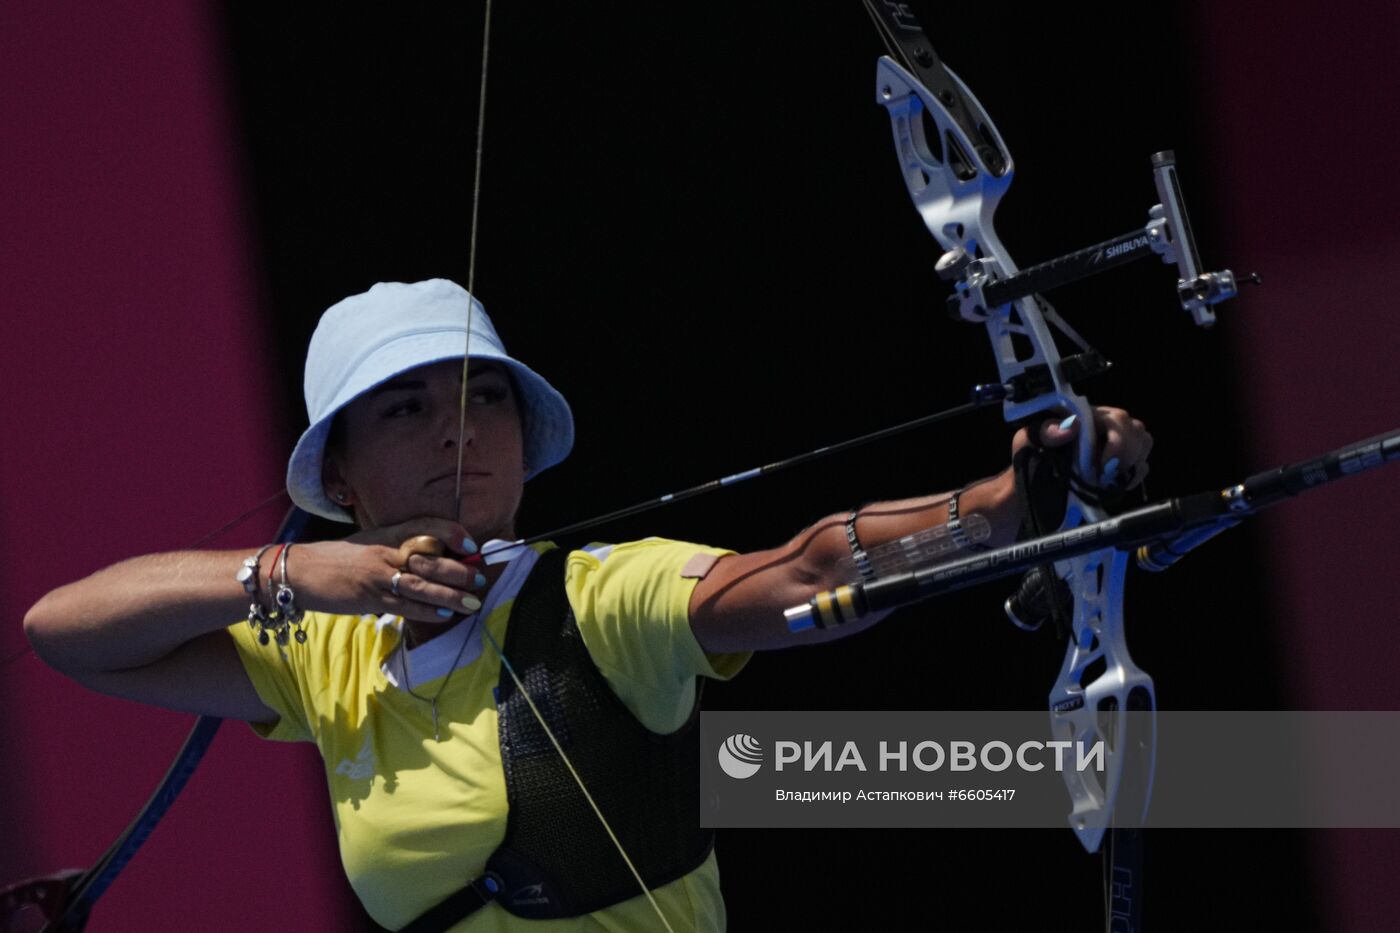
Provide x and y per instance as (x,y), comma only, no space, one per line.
(473,699)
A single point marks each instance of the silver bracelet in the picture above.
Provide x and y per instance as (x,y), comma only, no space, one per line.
(277,623)
(288,614)
(248,573)
(258,621)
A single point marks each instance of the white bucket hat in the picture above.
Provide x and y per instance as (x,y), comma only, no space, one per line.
(392,328)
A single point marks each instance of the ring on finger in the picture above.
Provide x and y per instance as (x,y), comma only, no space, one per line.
(394,582)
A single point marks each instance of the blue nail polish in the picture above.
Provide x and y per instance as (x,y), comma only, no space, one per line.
(1110,471)
(445,613)
(1068,423)
(468,546)
(480,581)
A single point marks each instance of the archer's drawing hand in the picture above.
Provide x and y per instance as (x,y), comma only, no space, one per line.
(357,576)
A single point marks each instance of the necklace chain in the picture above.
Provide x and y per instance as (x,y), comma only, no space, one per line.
(408,686)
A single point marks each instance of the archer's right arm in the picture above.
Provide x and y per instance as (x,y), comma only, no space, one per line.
(153,628)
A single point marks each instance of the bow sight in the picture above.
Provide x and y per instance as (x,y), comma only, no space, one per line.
(968,144)
(1167,234)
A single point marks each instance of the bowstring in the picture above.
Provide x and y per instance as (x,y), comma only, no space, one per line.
(578,779)
(461,453)
(471,256)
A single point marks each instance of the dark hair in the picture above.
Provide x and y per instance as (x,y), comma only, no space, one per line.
(335,437)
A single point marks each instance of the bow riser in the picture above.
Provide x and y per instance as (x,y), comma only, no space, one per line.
(958,213)
(956,194)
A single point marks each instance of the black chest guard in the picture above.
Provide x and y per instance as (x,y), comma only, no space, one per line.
(556,859)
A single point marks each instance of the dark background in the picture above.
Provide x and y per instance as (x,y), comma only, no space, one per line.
(692,223)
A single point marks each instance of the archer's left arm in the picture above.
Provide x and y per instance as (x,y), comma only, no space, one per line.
(738,605)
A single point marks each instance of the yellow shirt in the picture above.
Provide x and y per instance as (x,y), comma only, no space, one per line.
(417,818)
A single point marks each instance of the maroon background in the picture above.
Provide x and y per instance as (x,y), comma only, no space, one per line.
(138,418)
(1301,98)
(144,257)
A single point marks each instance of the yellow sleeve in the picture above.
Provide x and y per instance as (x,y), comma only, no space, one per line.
(633,609)
(277,677)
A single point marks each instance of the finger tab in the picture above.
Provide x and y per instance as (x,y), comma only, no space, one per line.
(426,545)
